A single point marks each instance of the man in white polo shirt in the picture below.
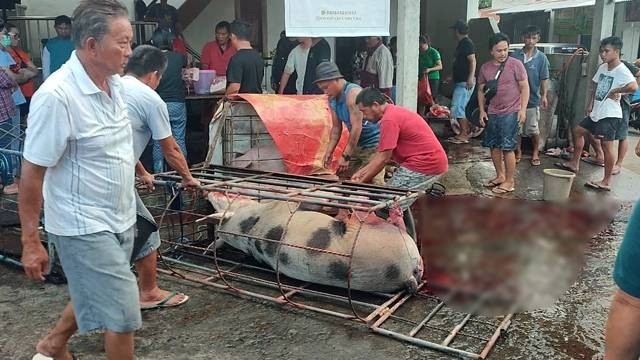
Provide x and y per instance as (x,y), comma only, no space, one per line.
(78,154)
(150,119)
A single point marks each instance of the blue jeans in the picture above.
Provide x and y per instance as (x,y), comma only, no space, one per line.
(10,139)
(178,120)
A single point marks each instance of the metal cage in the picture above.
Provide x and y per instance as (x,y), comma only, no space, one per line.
(420,319)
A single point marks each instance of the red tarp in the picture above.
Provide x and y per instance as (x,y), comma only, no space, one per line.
(300,127)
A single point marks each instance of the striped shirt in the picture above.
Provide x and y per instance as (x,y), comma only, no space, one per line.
(83,137)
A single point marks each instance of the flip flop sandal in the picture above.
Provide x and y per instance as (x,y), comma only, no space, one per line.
(563,166)
(501,191)
(592,161)
(491,184)
(164,303)
(535,162)
(616,171)
(453,140)
(596,186)
(40,356)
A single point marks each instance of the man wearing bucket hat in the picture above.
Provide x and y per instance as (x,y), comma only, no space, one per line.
(363,135)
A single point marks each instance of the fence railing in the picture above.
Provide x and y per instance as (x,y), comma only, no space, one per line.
(34,30)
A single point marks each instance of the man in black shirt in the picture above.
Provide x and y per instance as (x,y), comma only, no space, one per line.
(165,15)
(171,90)
(464,72)
(319,52)
(283,49)
(246,68)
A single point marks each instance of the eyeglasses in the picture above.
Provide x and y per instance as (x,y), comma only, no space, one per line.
(14,35)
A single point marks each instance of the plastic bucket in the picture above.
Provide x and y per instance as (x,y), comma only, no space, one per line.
(557,184)
(205,79)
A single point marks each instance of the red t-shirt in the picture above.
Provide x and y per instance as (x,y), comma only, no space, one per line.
(414,144)
(213,58)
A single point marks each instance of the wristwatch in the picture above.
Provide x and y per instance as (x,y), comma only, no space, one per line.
(346,157)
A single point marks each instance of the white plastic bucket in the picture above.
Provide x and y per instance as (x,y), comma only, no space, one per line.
(557,184)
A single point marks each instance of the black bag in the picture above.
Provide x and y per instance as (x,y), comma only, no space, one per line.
(491,87)
(490,90)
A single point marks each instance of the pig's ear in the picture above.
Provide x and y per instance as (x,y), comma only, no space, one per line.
(227,201)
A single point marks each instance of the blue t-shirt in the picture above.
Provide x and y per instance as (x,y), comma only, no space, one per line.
(626,271)
(636,96)
(537,70)
(6,61)
(370,134)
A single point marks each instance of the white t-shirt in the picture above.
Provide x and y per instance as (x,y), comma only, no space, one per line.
(147,112)
(83,137)
(297,61)
(605,80)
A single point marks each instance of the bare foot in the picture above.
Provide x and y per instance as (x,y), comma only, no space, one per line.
(55,347)
(150,298)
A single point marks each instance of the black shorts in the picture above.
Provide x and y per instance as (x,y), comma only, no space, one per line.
(604,129)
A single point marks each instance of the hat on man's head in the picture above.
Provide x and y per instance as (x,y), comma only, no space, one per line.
(460,26)
(327,71)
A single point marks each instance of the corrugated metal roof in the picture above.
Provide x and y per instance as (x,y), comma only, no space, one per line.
(549,5)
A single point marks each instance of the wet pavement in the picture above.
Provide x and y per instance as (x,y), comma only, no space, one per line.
(217,325)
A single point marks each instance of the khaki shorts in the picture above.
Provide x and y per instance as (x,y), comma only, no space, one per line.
(530,126)
(359,159)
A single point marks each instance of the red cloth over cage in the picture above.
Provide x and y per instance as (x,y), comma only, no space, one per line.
(300,127)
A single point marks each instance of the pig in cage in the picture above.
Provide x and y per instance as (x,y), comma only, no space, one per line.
(316,245)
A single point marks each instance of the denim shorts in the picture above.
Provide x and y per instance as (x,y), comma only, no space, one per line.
(461,96)
(626,271)
(502,132)
(103,290)
(623,129)
(147,237)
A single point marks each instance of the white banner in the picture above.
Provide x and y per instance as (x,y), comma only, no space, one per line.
(335,18)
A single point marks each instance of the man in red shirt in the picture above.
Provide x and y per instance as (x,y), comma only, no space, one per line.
(216,54)
(404,137)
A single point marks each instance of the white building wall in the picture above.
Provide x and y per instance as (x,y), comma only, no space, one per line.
(65,7)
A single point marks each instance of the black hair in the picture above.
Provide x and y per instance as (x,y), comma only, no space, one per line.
(223,24)
(614,41)
(531,30)
(497,38)
(7,26)
(146,59)
(62,19)
(162,39)
(369,95)
(241,29)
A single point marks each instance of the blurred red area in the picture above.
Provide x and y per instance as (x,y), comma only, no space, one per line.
(509,255)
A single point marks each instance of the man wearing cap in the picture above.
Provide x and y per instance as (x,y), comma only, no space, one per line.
(464,71)
(363,135)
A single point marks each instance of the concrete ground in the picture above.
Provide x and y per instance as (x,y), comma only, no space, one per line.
(217,325)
